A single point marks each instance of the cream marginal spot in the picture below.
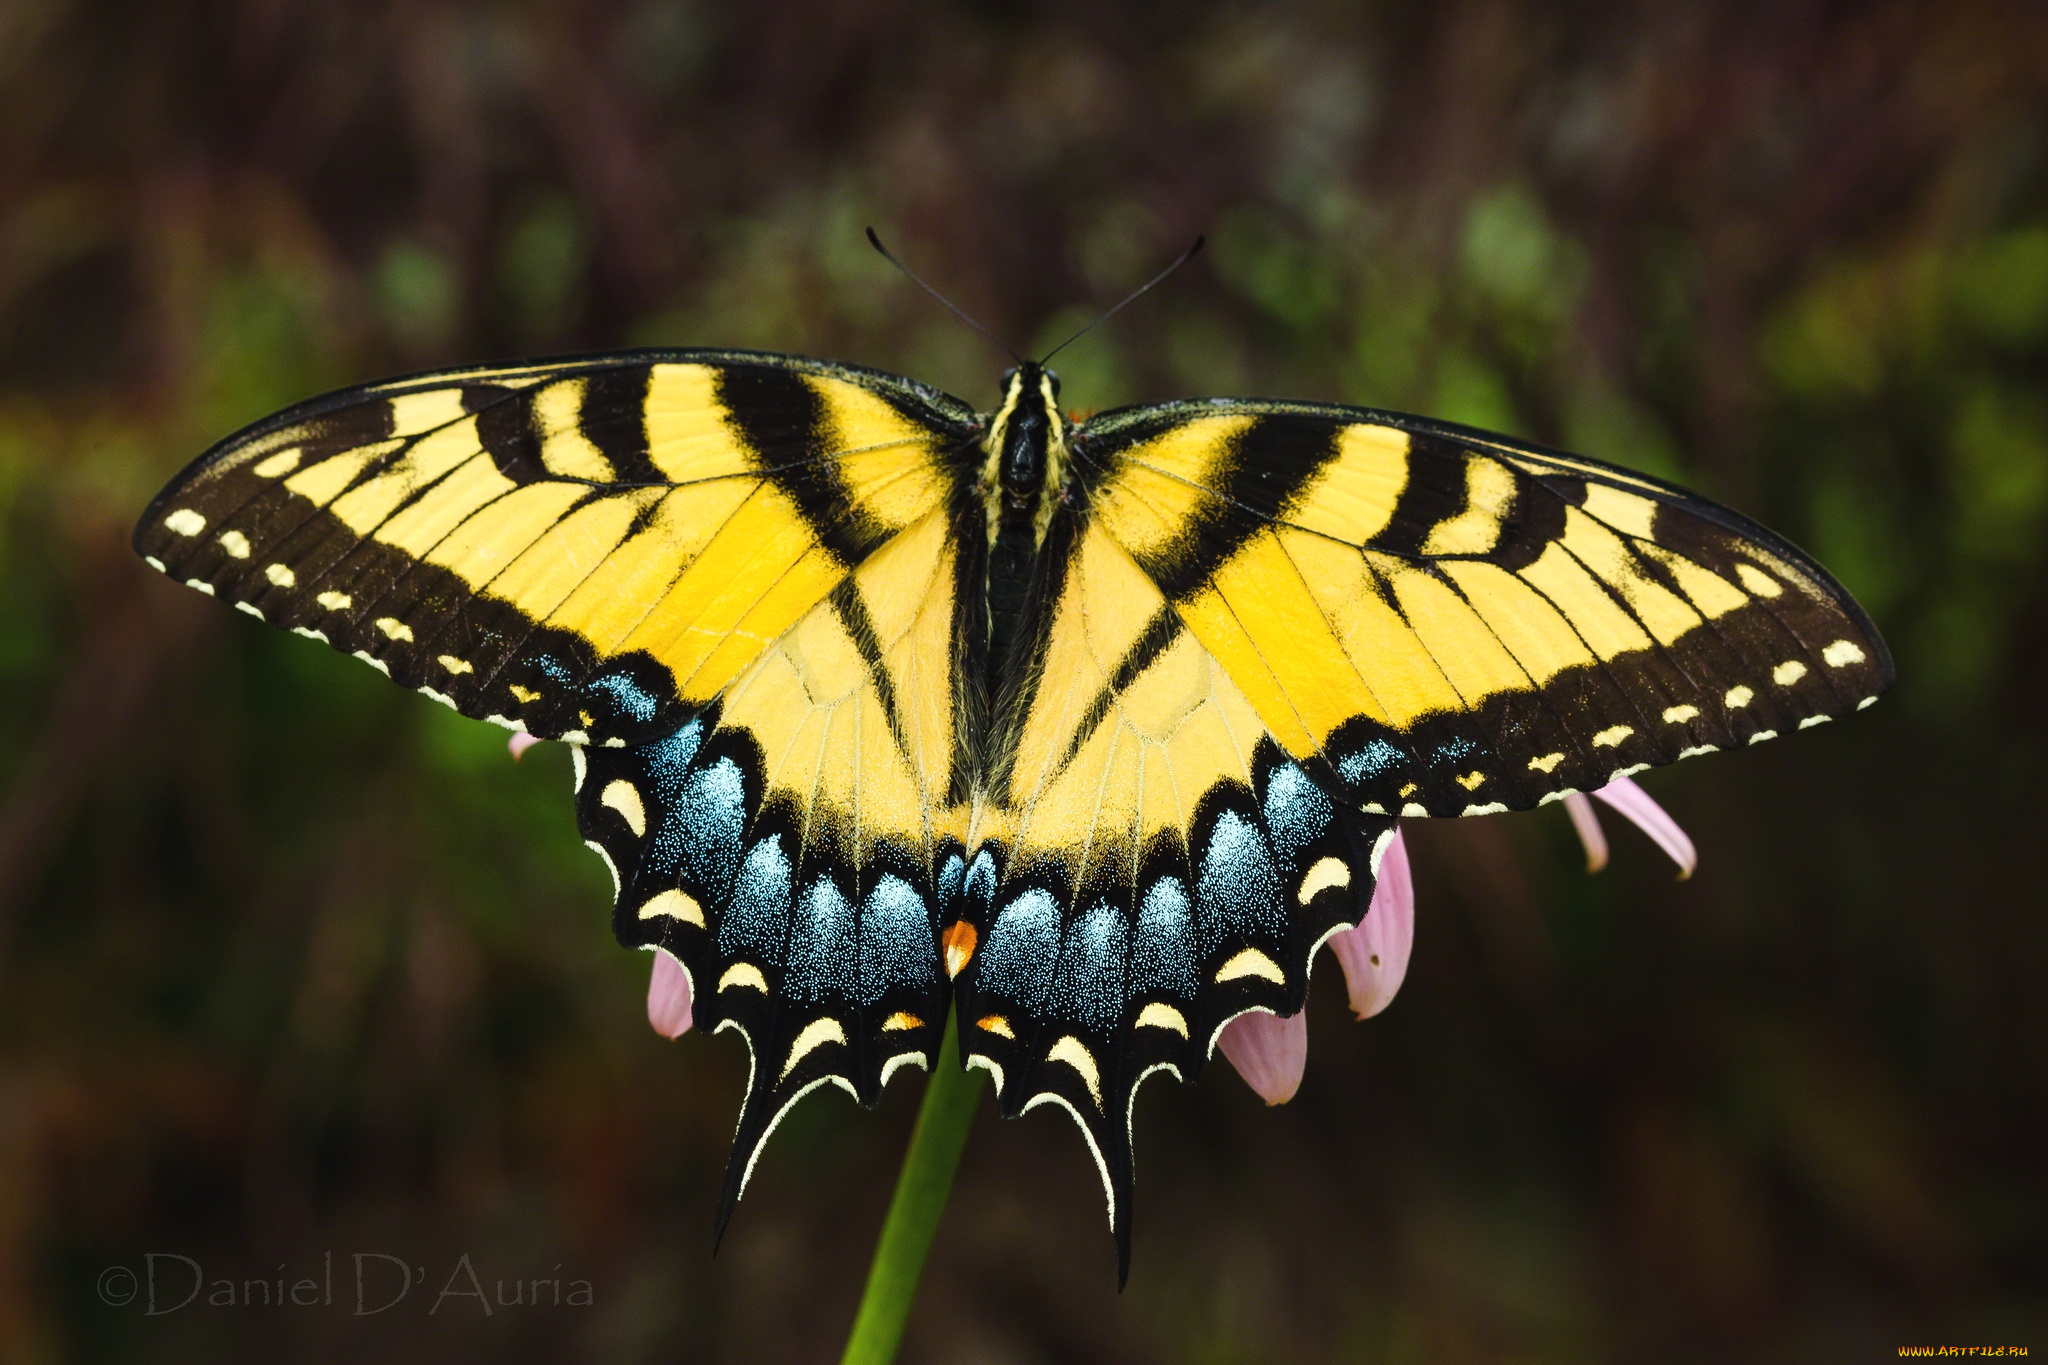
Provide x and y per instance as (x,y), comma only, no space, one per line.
(1075,1054)
(816,1034)
(743,975)
(1327,872)
(1251,962)
(623,797)
(673,904)
(1842,653)
(1158,1015)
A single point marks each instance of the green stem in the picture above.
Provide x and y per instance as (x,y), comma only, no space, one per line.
(950,1097)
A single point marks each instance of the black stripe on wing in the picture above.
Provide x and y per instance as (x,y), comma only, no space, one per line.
(1737,636)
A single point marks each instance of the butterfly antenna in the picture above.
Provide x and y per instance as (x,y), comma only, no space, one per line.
(1134,296)
(911,275)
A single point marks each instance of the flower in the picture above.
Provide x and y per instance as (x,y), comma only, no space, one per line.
(520,743)
(1649,817)
(668,996)
(1271,1052)
(1374,955)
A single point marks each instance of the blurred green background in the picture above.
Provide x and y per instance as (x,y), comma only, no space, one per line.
(294,963)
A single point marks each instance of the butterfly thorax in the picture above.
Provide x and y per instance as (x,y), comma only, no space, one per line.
(1021,486)
(1026,452)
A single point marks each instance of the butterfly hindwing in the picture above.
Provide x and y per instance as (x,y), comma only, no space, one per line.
(1437,621)
(782,843)
(588,550)
(1150,864)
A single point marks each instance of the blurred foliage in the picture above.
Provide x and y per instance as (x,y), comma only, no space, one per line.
(291,963)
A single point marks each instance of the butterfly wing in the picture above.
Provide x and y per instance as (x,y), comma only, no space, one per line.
(729,580)
(782,844)
(1273,630)
(1439,621)
(587,550)
(1148,865)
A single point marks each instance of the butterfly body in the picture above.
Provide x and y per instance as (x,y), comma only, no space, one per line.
(1090,731)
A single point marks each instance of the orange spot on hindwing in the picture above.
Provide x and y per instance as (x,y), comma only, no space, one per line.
(958,942)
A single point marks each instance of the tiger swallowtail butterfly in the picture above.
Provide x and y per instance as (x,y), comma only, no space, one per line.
(1092,731)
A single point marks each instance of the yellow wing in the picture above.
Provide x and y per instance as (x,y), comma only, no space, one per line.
(588,550)
(782,844)
(1262,634)
(729,580)
(1438,621)
(1147,862)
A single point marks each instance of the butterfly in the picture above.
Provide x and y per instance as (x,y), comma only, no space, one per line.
(1091,731)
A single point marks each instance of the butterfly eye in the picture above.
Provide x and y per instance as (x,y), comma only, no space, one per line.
(1055,381)
(1009,375)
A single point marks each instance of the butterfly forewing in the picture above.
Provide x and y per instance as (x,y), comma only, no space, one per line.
(1441,622)
(588,551)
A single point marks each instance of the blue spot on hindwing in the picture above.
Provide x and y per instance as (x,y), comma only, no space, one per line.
(1023,944)
(950,877)
(1372,761)
(1089,985)
(679,838)
(709,820)
(666,761)
(896,943)
(980,888)
(1163,956)
(631,698)
(1297,813)
(756,919)
(1453,749)
(1237,892)
(823,955)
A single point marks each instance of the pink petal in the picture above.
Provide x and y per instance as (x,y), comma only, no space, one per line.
(1588,826)
(1269,1052)
(520,743)
(1374,955)
(1649,817)
(668,996)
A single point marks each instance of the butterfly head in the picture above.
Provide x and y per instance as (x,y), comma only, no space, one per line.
(1016,375)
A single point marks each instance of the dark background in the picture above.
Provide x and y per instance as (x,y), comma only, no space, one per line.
(292,962)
